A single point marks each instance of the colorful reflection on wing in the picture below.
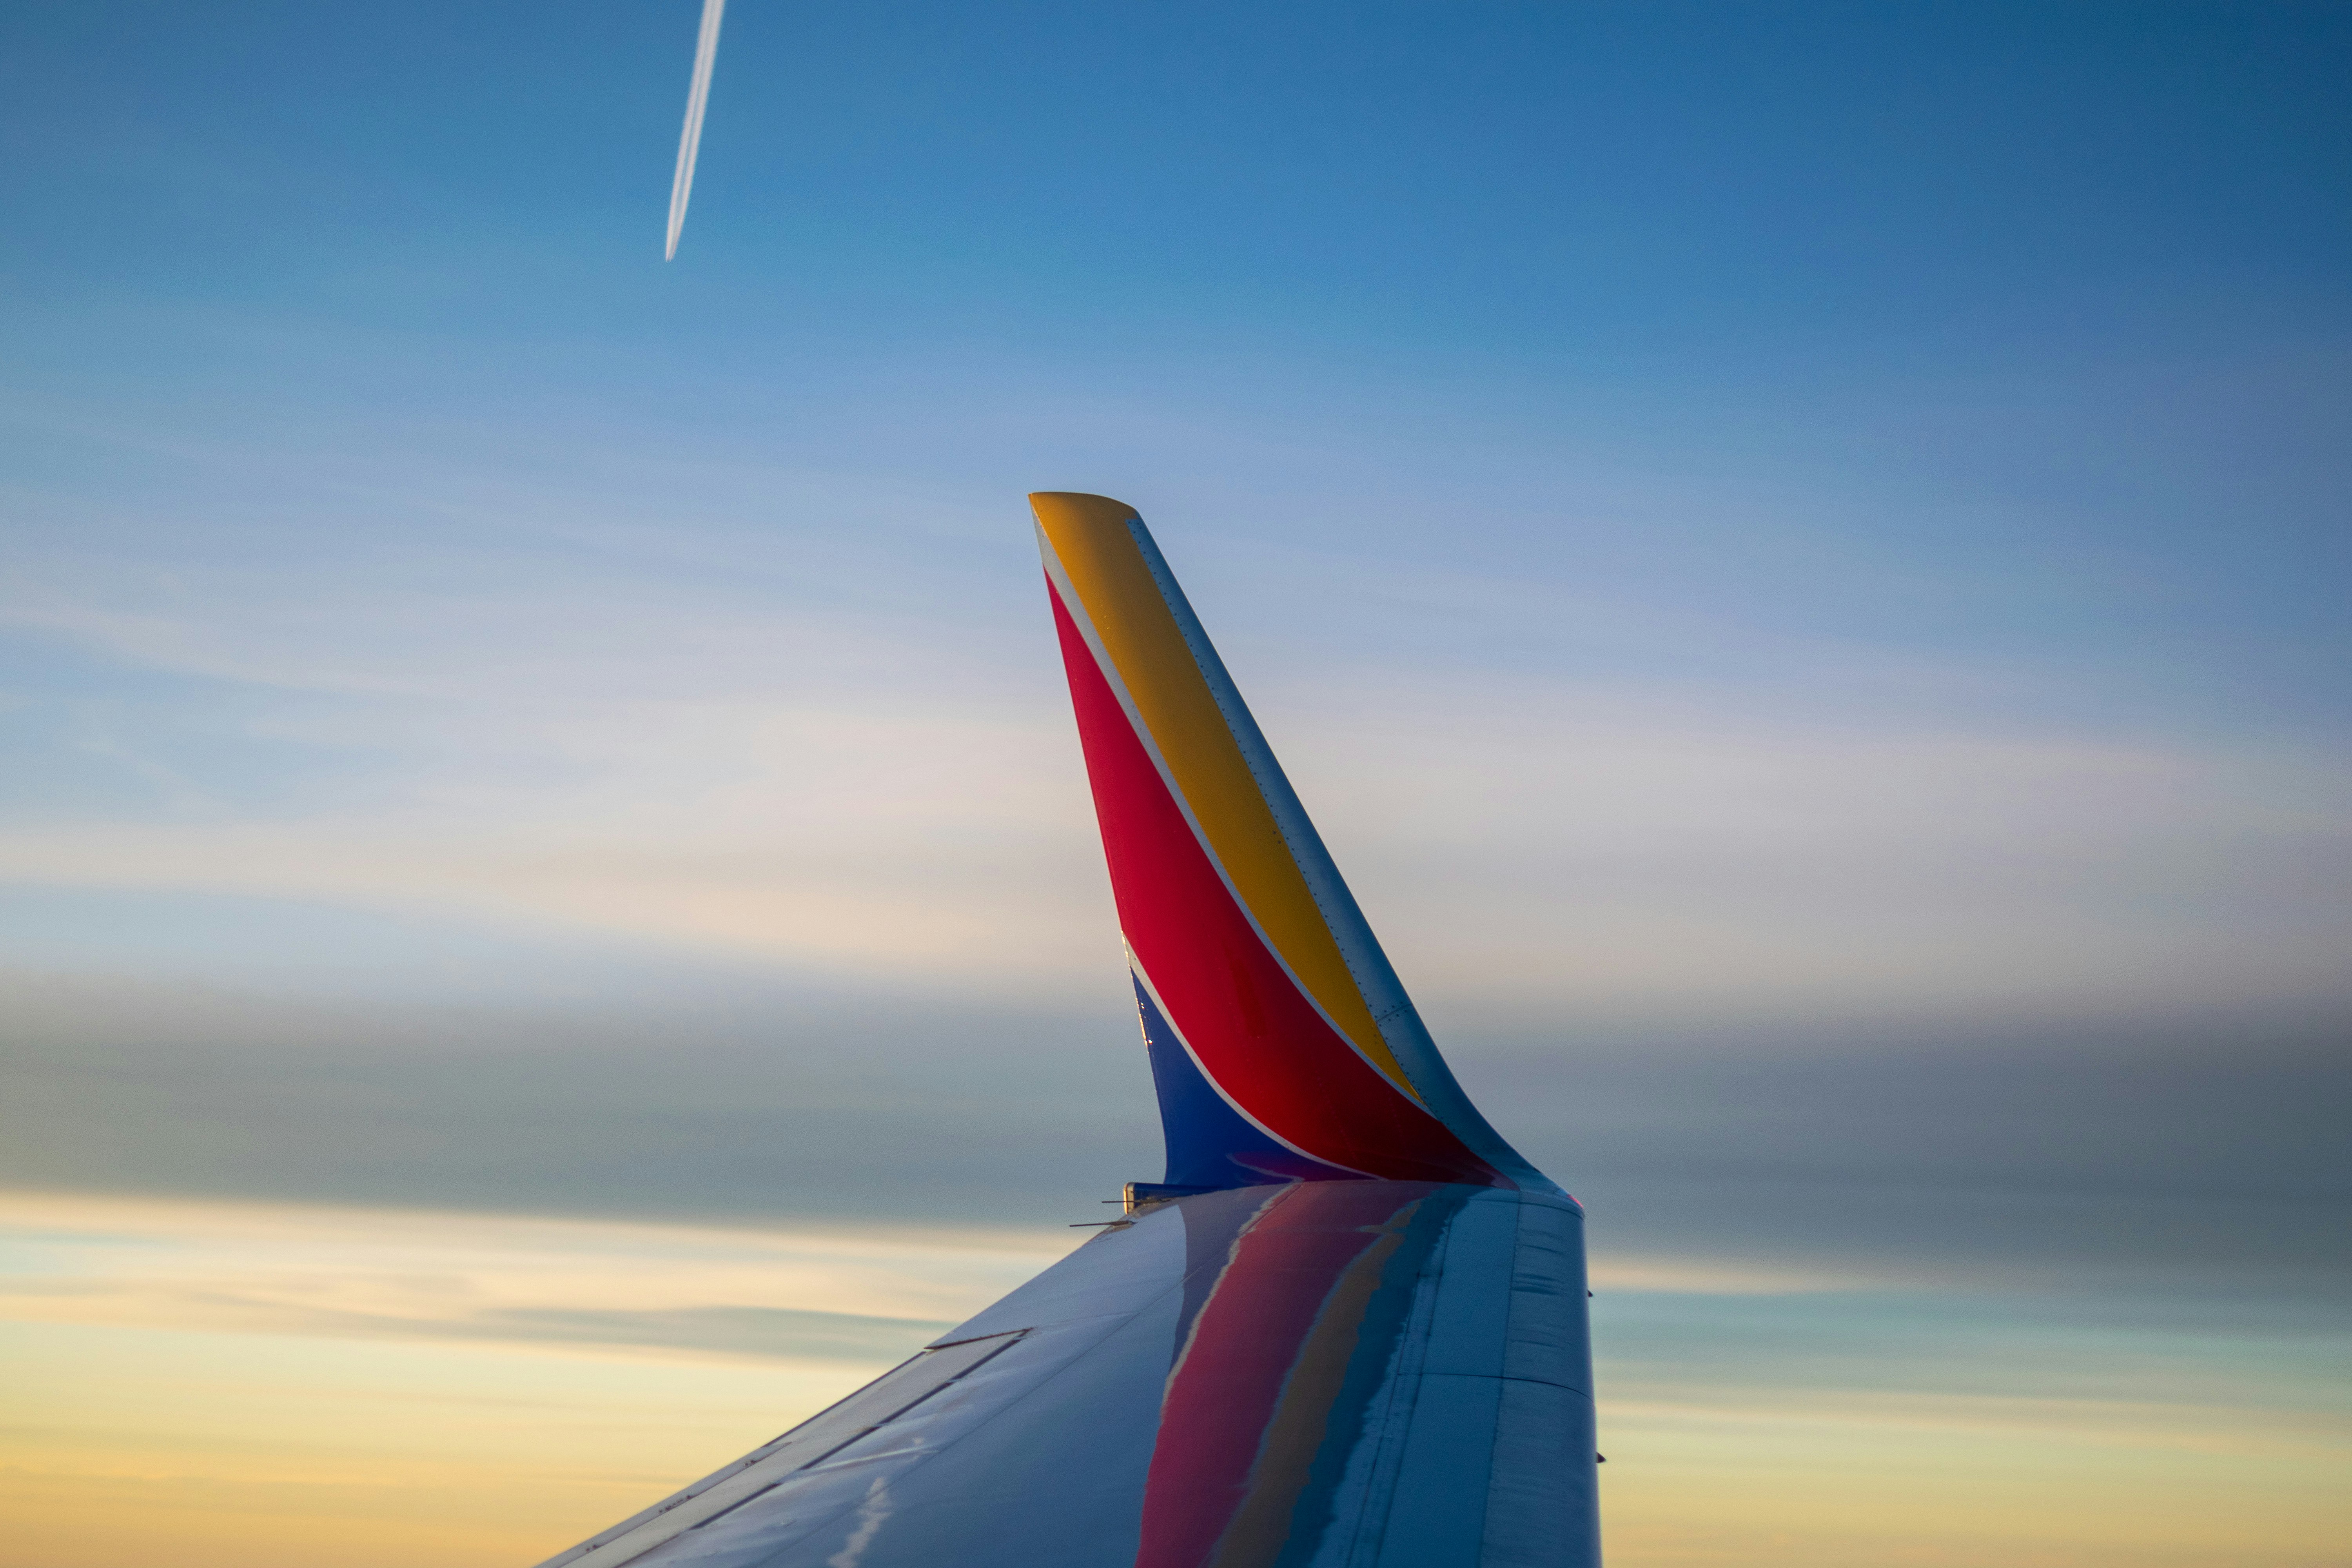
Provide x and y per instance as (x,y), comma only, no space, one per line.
(1285,1345)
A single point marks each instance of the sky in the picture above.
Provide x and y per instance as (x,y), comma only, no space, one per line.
(550,918)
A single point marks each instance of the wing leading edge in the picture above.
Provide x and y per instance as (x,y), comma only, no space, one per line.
(1348,1330)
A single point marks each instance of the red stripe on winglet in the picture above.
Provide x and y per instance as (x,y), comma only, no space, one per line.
(1254,1031)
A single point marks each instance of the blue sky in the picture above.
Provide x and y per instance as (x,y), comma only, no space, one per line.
(1812,518)
(2010,334)
(1796,553)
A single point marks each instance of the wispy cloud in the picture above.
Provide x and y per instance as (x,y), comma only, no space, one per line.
(868,1295)
(665,758)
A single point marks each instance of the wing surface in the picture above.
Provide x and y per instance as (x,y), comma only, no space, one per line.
(1343,1375)
(1349,1327)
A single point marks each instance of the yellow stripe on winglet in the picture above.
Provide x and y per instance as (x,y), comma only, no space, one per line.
(1089,536)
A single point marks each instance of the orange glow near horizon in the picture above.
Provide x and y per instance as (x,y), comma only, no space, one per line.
(229,1386)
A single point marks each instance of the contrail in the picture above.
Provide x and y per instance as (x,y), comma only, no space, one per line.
(706,50)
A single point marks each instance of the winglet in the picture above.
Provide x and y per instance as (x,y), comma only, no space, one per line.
(1282,1044)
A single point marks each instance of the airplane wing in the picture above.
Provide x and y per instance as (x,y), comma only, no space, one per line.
(1346,1330)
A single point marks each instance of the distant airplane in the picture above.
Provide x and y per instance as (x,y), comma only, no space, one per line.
(1346,1329)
